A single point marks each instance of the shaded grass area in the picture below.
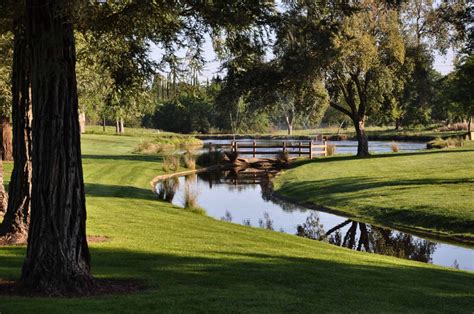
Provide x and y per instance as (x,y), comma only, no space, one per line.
(429,191)
(192,263)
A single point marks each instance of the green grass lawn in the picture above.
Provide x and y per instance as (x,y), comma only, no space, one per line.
(430,191)
(192,263)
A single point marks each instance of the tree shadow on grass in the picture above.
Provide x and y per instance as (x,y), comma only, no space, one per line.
(131,157)
(347,191)
(377,156)
(253,281)
(119,191)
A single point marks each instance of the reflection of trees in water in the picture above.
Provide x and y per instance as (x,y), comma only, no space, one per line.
(266,222)
(166,189)
(236,179)
(312,228)
(363,237)
(227,216)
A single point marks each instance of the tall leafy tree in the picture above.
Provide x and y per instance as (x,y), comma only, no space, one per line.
(460,90)
(58,259)
(369,49)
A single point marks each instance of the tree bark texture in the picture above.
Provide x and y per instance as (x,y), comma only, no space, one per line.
(57,258)
(121,126)
(82,122)
(289,118)
(362,141)
(2,192)
(14,228)
(6,128)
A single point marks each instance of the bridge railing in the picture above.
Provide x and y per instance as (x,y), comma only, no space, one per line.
(308,148)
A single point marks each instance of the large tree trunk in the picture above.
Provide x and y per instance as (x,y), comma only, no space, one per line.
(121,126)
(14,228)
(57,257)
(6,138)
(469,127)
(289,122)
(2,192)
(103,124)
(398,123)
(362,141)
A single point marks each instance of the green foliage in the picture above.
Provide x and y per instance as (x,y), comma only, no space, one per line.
(369,49)
(461,91)
(216,157)
(6,60)
(166,143)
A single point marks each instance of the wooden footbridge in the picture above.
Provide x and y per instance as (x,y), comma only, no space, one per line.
(309,148)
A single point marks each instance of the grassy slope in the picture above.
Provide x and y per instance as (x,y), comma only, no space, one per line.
(428,191)
(195,263)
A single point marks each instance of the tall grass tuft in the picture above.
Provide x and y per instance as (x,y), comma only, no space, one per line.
(168,188)
(190,196)
(189,161)
(395,147)
(171,163)
(190,200)
(330,149)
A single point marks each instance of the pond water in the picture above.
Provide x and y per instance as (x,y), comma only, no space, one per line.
(342,147)
(245,198)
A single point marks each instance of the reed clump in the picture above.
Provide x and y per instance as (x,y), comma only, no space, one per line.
(330,149)
(189,161)
(395,147)
(171,163)
(190,199)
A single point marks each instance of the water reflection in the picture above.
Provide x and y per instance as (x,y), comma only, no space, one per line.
(364,237)
(244,196)
(166,189)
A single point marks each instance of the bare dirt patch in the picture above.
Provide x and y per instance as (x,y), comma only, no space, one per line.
(97,239)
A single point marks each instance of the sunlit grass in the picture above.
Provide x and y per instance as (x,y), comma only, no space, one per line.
(193,263)
(428,191)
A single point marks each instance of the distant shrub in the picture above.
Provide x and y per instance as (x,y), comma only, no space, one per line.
(331,149)
(283,157)
(455,142)
(210,158)
(147,147)
(231,155)
(441,143)
(395,147)
(454,127)
(163,143)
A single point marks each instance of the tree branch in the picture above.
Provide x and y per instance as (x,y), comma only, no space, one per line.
(340,108)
